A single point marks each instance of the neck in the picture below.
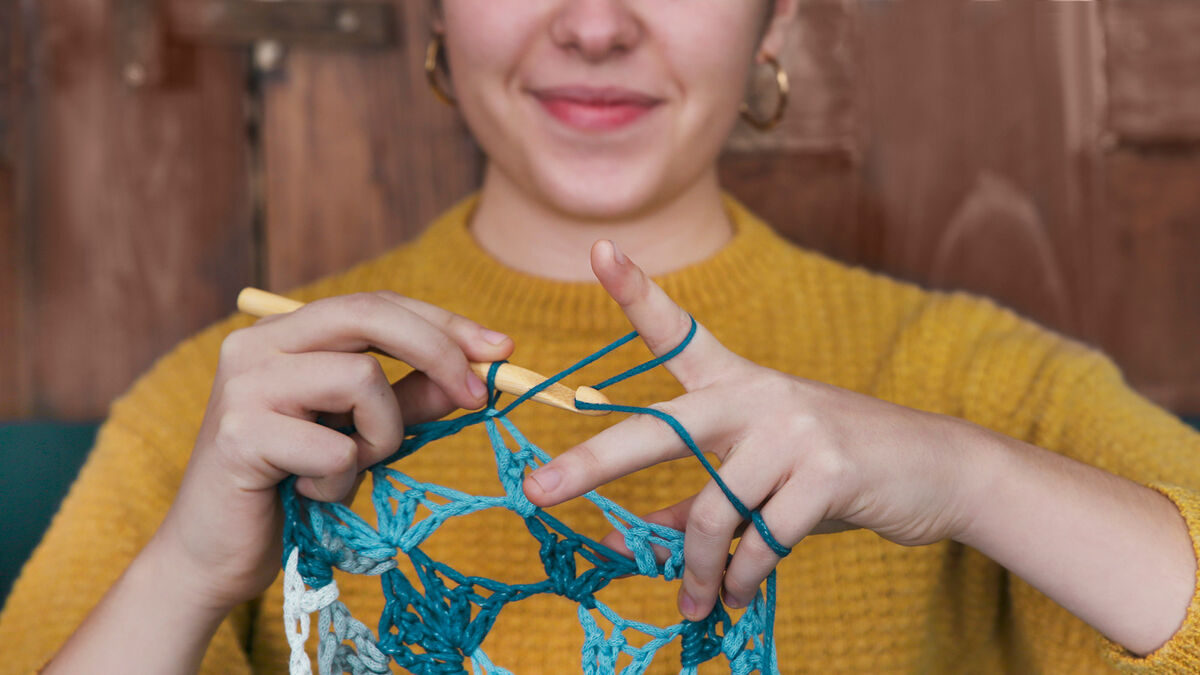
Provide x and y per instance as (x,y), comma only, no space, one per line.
(531,237)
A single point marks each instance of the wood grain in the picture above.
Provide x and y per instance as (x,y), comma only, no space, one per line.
(972,129)
(15,394)
(15,372)
(809,197)
(996,228)
(141,228)
(359,156)
(1153,70)
(1146,270)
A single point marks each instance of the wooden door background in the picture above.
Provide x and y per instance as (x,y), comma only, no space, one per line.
(1043,152)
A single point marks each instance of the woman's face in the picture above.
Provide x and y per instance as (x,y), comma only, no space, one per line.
(601,109)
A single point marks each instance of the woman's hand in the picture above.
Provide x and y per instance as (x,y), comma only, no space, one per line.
(273,381)
(811,457)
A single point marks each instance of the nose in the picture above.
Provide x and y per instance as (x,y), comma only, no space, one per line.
(596,29)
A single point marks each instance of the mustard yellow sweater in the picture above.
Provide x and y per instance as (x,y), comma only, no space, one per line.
(848,603)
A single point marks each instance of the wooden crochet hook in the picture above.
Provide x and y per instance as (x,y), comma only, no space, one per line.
(510,379)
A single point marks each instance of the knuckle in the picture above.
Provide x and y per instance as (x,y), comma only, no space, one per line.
(827,467)
(390,440)
(586,455)
(238,391)
(229,426)
(232,431)
(705,521)
(752,545)
(461,325)
(364,370)
(657,424)
(669,408)
(702,580)
(340,457)
(360,306)
(801,426)
(779,388)
(237,346)
(442,349)
(672,338)
(386,439)
(739,587)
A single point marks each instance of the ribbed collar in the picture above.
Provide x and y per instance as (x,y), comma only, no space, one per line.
(467,272)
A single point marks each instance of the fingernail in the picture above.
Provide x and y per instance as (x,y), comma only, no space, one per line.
(547,478)
(493,337)
(477,388)
(687,606)
(618,257)
(733,601)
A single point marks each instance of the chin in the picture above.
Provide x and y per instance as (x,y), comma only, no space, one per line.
(590,194)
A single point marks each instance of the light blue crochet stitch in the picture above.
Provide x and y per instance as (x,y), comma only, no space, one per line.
(446,614)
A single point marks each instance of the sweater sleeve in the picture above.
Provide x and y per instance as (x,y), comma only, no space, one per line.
(1181,654)
(1079,405)
(1121,431)
(111,511)
(964,356)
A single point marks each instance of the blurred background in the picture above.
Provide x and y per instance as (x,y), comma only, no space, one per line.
(158,155)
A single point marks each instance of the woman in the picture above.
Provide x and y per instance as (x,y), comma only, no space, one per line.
(602,121)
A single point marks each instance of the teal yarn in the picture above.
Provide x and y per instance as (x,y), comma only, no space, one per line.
(434,623)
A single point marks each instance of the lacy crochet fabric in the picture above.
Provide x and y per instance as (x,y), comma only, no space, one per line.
(437,621)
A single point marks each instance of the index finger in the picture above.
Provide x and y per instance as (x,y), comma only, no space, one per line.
(631,445)
(430,339)
(662,324)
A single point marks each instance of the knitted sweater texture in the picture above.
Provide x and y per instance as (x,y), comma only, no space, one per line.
(848,603)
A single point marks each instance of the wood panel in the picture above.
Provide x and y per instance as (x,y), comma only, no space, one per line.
(970,157)
(1146,271)
(358,154)
(1153,65)
(139,218)
(1145,305)
(811,198)
(14,371)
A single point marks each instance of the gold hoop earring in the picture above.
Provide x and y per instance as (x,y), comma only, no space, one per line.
(432,57)
(781,82)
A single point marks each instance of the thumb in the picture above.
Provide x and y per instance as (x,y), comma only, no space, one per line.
(662,324)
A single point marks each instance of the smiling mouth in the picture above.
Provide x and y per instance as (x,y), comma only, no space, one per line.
(595,109)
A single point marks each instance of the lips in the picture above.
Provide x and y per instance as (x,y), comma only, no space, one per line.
(595,108)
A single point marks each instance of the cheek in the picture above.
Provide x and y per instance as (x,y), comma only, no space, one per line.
(481,37)
(486,42)
(709,55)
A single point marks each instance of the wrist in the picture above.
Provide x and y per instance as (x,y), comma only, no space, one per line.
(180,591)
(1110,551)
(147,613)
(987,464)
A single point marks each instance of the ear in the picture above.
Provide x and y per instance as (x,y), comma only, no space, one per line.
(777,28)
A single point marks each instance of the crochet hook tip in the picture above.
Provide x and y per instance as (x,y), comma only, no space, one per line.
(590,395)
(516,380)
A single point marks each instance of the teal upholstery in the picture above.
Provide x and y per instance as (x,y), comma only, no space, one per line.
(40,461)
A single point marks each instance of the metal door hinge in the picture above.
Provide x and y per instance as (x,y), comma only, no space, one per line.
(144,28)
